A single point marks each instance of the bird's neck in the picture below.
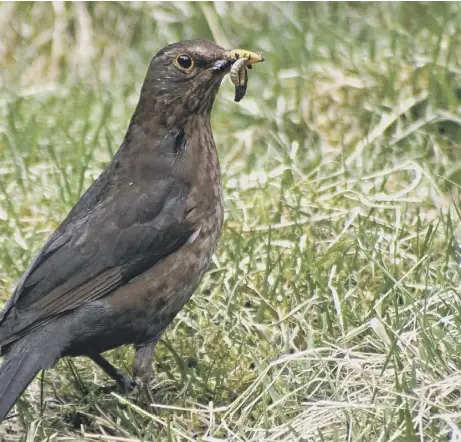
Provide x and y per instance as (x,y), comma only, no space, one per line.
(147,121)
(146,131)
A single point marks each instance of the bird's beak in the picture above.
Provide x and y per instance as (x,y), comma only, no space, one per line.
(233,55)
(253,57)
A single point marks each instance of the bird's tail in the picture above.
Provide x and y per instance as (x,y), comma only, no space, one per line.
(17,372)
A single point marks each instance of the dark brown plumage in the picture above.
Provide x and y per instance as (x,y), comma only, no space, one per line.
(134,248)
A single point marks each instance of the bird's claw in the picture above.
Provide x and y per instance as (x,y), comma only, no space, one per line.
(126,384)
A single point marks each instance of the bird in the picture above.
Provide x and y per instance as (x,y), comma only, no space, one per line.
(134,248)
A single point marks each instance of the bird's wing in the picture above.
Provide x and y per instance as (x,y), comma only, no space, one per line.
(100,247)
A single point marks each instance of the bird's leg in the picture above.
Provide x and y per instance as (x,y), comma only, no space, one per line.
(124,382)
(142,364)
(142,367)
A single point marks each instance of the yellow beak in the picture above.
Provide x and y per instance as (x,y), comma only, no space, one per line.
(253,57)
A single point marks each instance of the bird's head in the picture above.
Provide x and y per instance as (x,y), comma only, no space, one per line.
(183,79)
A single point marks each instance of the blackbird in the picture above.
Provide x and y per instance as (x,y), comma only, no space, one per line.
(133,249)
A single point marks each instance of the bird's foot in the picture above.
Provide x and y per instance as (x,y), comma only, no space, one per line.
(145,394)
(125,383)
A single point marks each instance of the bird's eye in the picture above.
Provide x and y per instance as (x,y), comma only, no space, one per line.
(184,62)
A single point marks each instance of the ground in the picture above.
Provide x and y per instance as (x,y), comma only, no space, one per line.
(332,309)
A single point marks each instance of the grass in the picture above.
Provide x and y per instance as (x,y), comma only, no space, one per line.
(332,311)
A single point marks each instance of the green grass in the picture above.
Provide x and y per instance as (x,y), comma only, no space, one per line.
(332,311)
